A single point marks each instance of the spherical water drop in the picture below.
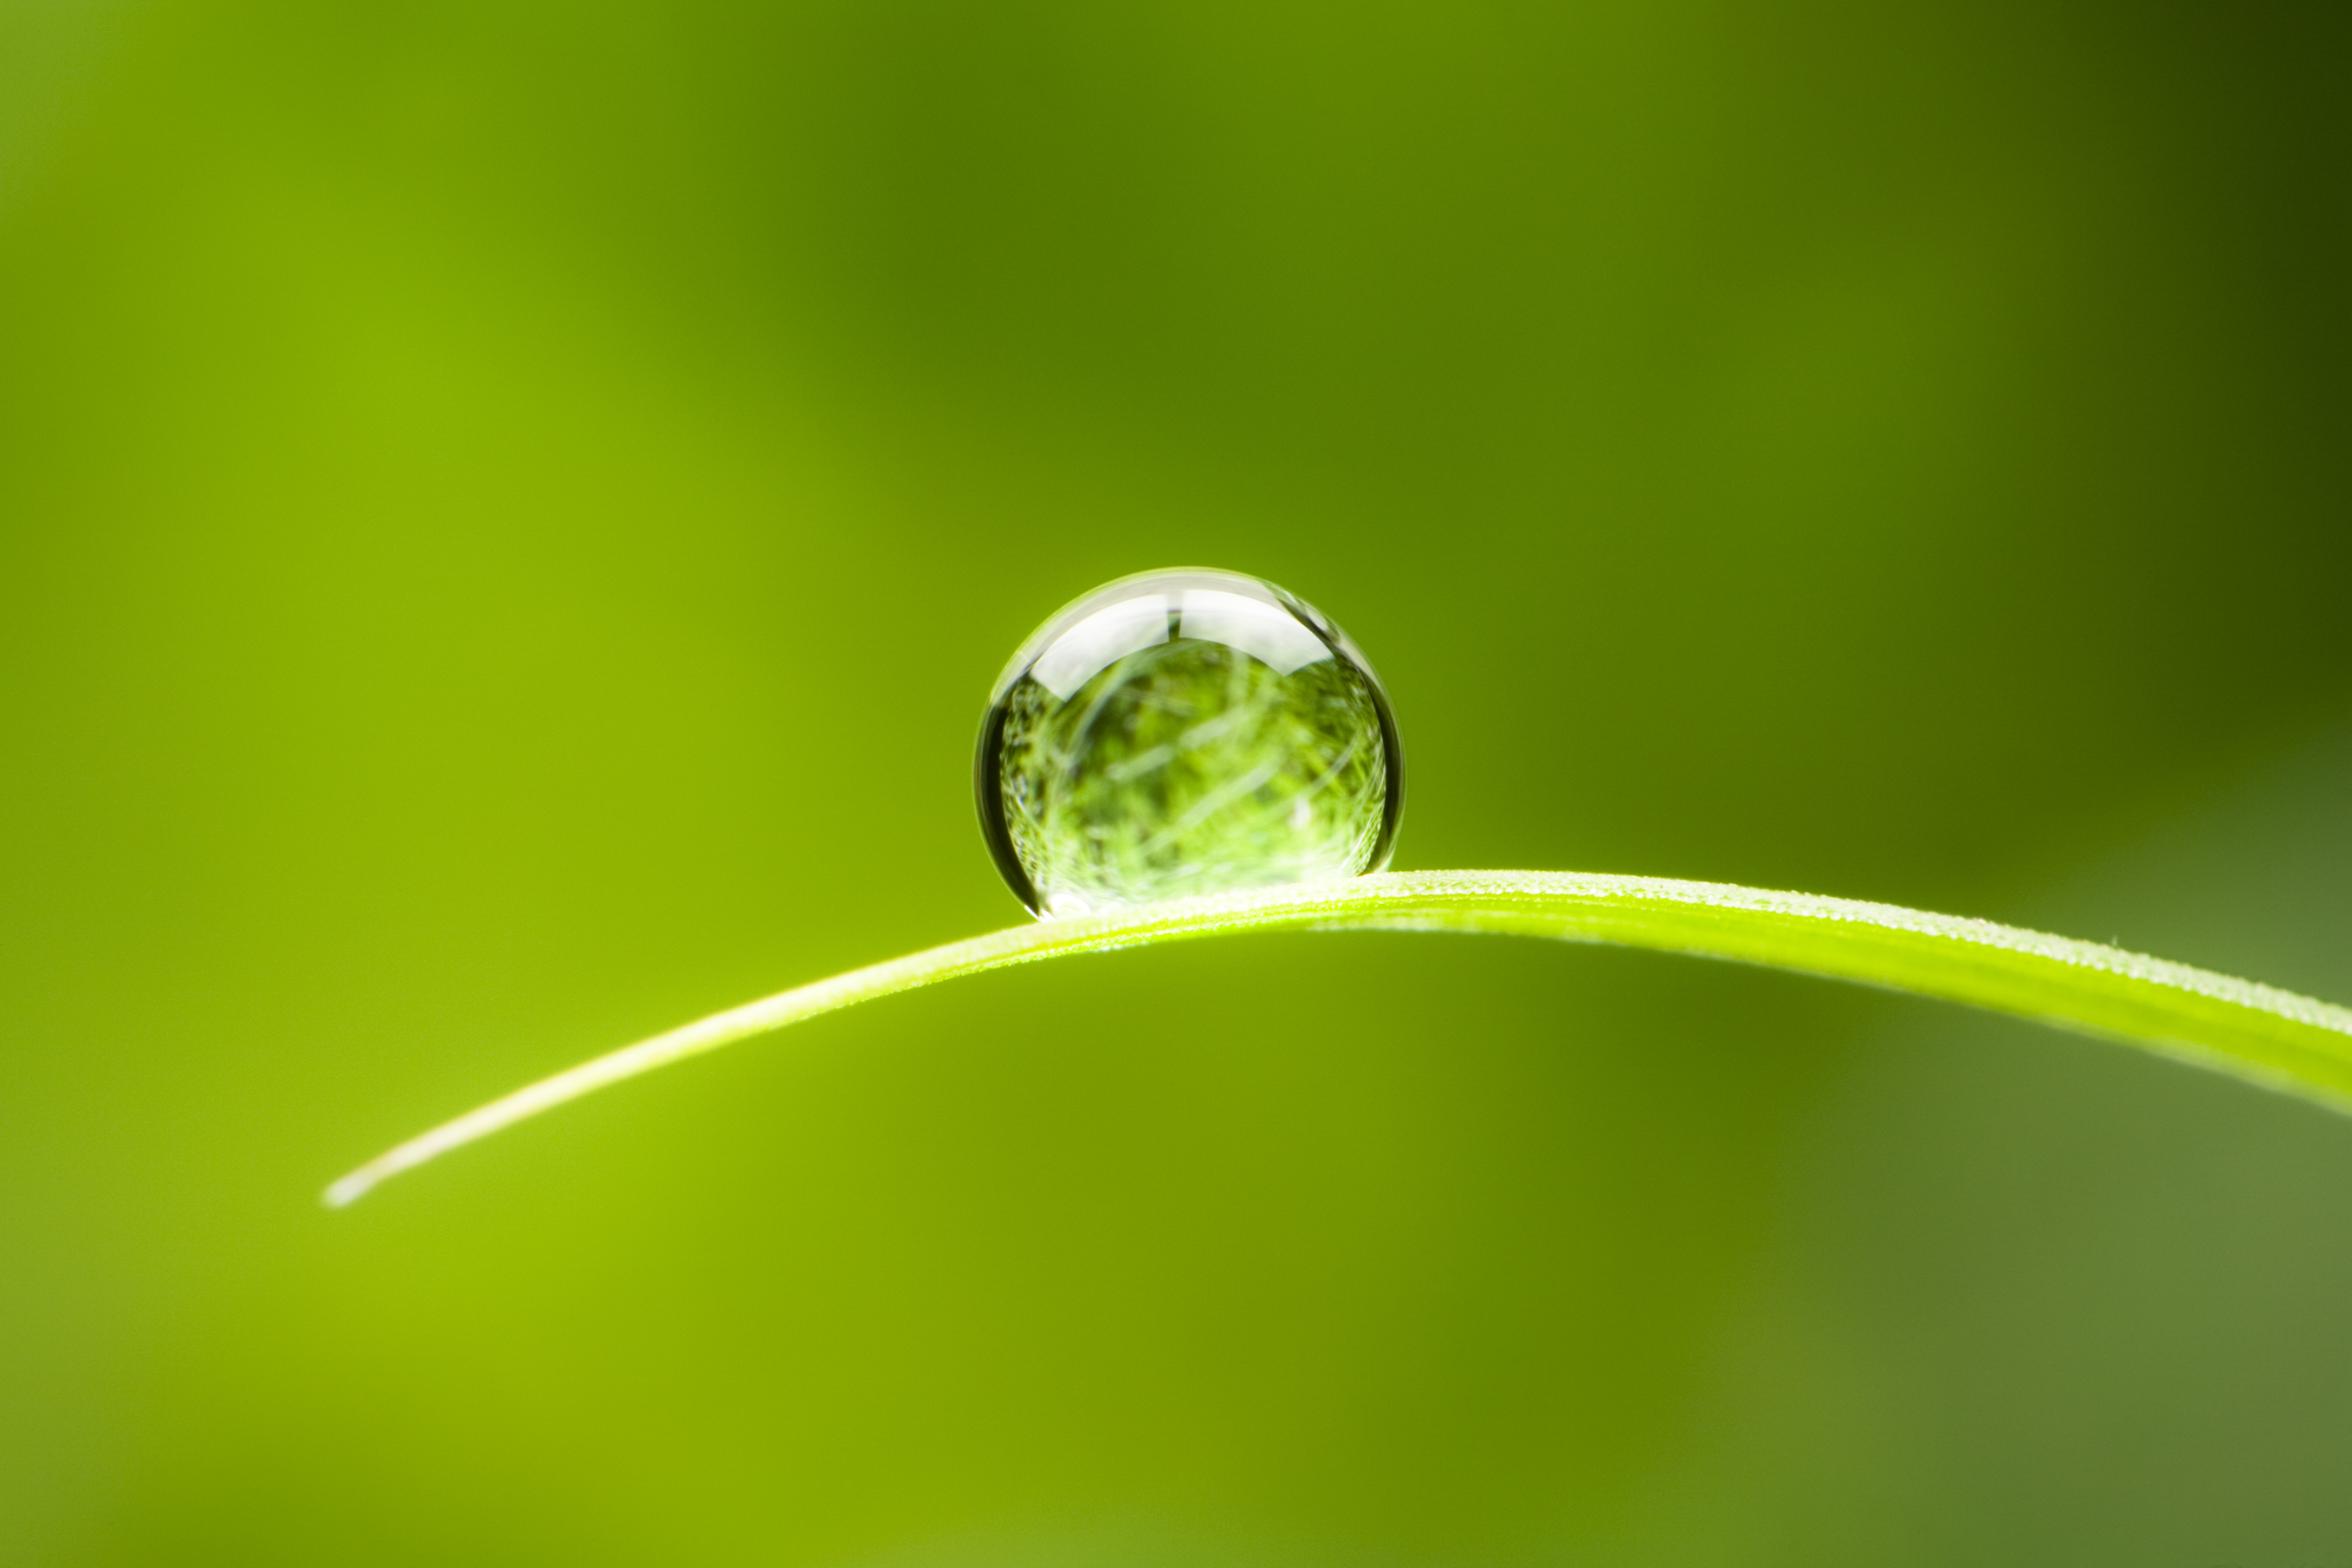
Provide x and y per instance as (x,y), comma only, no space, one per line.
(1185,732)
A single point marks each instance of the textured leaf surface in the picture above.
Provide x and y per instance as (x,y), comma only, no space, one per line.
(2269,1037)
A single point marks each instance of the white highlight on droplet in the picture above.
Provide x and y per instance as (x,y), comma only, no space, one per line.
(1101,640)
(1265,631)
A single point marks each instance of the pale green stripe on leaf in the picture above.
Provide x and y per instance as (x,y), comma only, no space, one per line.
(2273,1038)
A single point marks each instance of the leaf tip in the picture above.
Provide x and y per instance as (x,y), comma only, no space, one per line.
(348,1190)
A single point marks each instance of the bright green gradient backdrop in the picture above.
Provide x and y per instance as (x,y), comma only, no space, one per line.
(508,517)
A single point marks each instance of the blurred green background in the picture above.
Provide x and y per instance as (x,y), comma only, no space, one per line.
(509,514)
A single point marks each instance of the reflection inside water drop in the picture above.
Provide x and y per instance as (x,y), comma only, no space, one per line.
(1185,732)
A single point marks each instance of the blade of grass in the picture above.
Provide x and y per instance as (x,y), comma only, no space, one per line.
(2272,1038)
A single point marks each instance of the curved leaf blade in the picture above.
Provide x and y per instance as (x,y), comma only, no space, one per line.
(2272,1038)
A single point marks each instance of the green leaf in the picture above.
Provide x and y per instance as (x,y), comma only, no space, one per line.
(2272,1038)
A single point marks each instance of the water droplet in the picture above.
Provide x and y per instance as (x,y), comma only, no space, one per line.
(1185,732)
